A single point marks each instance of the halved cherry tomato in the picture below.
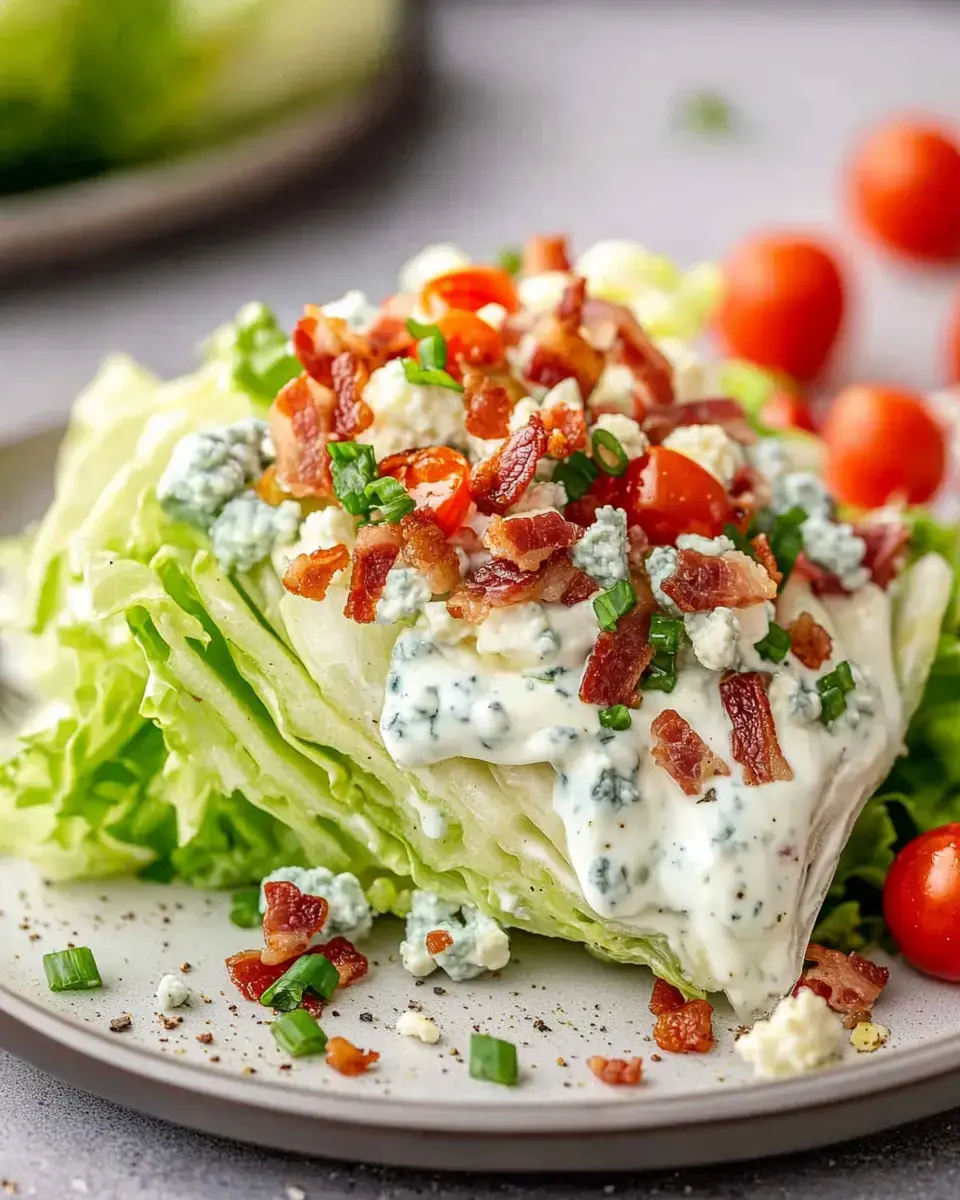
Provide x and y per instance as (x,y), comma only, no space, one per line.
(787,410)
(437,478)
(904,186)
(470,288)
(667,494)
(882,444)
(782,303)
(953,344)
(921,902)
(469,337)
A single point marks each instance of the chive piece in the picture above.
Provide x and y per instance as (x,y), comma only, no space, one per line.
(617,716)
(311,971)
(418,330)
(833,688)
(428,376)
(608,453)
(72,970)
(298,1033)
(774,644)
(510,259)
(353,466)
(245,911)
(577,474)
(493,1059)
(666,633)
(661,675)
(391,498)
(614,603)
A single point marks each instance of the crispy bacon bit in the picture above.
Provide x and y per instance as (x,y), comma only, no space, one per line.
(438,940)
(614,328)
(665,997)
(318,340)
(581,587)
(637,546)
(291,919)
(809,641)
(566,429)
(377,549)
(687,1029)
(529,540)
(617,661)
(268,489)
(499,583)
(848,982)
(569,311)
(352,414)
(350,963)
(661,421)
(488,406)
(753,741)
(426,548)
(703,581)
(619,1072)
(544,252)
(766,557)
(344,1057)
(301,424)
(309,575)
(886,544)
(388,333)
(683,753)
(560,351)
(497,483)
(251,975)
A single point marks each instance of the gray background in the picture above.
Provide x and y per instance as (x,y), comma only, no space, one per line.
(540,117)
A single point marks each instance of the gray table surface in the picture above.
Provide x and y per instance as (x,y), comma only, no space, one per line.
(541,117)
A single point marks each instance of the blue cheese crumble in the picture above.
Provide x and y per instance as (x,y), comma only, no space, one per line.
(801,702)
(248,529)
(714,636)
(801,1034)
(835,546)
(801,489)
(711,447)
(602,551)
(479,944)
(172,992)
(660,564)
(350,914)
(405,593)
(209,468)
(625,429)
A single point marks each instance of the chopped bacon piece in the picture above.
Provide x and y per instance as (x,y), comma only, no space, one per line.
(766,558)
(614,328)
(291,919)
(637,546)
(620,1072)
(581,587)
(750,490)
(886,543)
(438,940)
(753,741)
(665,997)
(497,483)
(499,583)
(617,661)
(377,549)
(660,421)
(683,753)
(388,333)
(251,975)
(566,429)
(544,252)
(352,415)
(268,489)
(848,982)
(569,311)
(809,641)
(350,963)
(309,575)
(687,1029)
(704,581)
(318,340)
(529,540)
(344,1057)
(301,424)
(560,351)
(426,548)
(488,406)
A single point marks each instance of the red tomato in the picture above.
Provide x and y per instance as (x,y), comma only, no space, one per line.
(904,185)
(782,304)
(470,288)
(882,443)
(667,494)
(437,478)
(787,410)
(469,337)
(921,902)
(953,344)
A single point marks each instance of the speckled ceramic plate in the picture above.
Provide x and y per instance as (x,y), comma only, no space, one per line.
(219,1070)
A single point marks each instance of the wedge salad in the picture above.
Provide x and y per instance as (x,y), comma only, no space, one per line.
(494,606)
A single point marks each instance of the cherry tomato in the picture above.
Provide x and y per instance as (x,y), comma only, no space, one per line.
(782,304)
(787,410)
(470,288)
(904,186)
(437,478)
(469,337)
(882,444)
(667,494)
(921,902)
(953,344)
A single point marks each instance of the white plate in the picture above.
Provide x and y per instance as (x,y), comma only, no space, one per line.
(420,1107)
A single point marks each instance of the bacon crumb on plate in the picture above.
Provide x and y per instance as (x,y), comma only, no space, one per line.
(377,549)
(309,575)
(687,1029)
(619,1072)
(291,919)
(251,975)
(753,741)
(350,963)
(528,540)
(704,581)
(346,1058)
(497,483)
(849,983)
(683,753)
(665,997)
(809,641)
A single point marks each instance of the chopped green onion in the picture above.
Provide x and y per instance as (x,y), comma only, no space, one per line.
(666,633)
(311,971)
(493,1059)
(432,352)
(841,677)
(428,376)
(418,330)
(577,474)
(740,541)
(617,716)
(298,1033)
(614,603)
(391,498)
(833,703)
(786,540)
(661,675)
(353,466)
(510,259)
(774,644)
(608,454)
(833,688)
(71,970)
(262,362)
(245,911)
(707,113)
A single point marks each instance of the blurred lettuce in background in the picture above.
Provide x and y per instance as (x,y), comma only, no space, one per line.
(86,85)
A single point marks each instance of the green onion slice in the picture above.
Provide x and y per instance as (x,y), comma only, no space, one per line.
(425,376)
(608,453)
(661,675)
(741,542)
(774,644)
(72,970)
(612,604)
(577,474)
(833,703)
(617,716)
(298,1033)
(390,497)
(833,688)
(786,540)
(311,971)
(245,910)
(510,259)
(418,330)
(353,466)
(432,352)
(666,633)
(493,1059)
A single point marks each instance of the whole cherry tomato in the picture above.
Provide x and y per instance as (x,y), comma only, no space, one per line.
(953,344)
(882,444)
(470,288)
(667,494)
(904,186)
(471,338)
(782,303)
(437,478)
(921,902)
(787,410)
